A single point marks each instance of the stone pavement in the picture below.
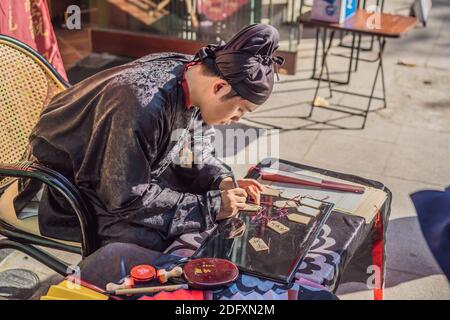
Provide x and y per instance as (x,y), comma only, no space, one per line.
(406,146)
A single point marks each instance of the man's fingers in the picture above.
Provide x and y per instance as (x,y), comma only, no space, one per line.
(235,213)
(258,185)
(253,193)
(241,199)
(240,192)
(250,182)
(240,205)
(257,196)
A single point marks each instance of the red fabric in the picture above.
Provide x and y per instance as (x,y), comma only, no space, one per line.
(187,100)
(177,295)
(29,22)
(184,84)
(219,10)
(377,254)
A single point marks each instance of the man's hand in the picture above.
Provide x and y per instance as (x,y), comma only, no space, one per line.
(232,201)
(251,186)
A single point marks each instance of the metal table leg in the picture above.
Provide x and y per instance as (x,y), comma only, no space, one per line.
(323,66)
(316,50)
(352,54)
(380,69)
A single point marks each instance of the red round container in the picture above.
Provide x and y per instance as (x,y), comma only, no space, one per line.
(143,272)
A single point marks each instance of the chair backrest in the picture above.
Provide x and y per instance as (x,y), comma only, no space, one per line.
(27,83)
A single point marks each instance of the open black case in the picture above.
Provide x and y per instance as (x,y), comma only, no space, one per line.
(286,251)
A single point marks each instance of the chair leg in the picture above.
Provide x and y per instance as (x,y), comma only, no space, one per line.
(40,255)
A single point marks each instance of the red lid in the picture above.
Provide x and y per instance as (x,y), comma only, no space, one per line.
(143,272)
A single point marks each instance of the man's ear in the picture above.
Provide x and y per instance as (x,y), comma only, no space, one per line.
(221,87)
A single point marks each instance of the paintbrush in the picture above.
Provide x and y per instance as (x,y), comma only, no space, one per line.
(120,292)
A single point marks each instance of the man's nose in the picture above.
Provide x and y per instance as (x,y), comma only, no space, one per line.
(236,118)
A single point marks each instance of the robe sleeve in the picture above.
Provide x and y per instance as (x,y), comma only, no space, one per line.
(207,170)
(124,151)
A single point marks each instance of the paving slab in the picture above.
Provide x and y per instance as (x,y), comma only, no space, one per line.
(431,139)
(432,287)
(406,248)
(401,189)
(422,164)
(19,260)
(347,153)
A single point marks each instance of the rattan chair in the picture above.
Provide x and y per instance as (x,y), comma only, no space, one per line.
(27,84)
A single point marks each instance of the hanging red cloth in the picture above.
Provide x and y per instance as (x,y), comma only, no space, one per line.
(29,21)
(377,255)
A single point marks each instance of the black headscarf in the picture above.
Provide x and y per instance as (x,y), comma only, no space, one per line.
(247,61)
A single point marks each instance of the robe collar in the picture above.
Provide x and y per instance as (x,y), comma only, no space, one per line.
(184,84)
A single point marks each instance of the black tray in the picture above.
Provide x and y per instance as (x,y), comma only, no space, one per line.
(286,251)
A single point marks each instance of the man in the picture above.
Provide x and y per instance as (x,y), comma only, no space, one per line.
(113,136)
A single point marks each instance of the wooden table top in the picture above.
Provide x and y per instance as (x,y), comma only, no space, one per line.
(391,25)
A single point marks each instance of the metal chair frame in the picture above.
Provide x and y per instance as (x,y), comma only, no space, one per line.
(24,241)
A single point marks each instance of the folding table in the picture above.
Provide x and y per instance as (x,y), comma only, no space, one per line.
(390,26)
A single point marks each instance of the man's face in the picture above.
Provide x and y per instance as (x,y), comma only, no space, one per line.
(218,109)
